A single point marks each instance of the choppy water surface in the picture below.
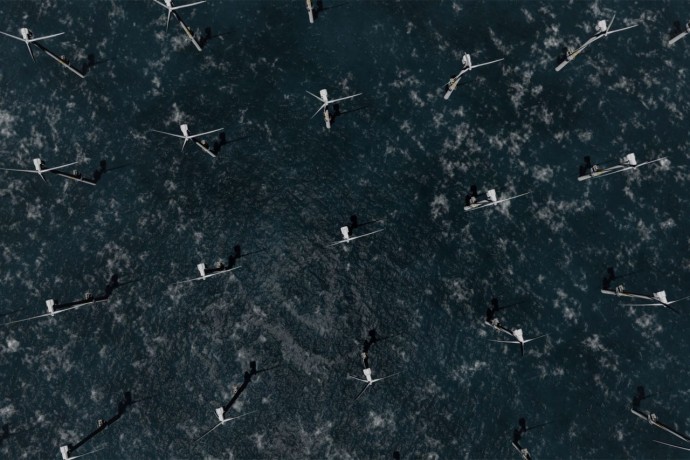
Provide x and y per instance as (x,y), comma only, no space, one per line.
(282,186)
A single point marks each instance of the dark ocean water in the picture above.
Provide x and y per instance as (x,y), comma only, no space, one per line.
(281,188)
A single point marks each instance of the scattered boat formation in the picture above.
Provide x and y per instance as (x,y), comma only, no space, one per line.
(473,201)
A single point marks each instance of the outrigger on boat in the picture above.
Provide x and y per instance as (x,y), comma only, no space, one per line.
(659,298)
(172,10)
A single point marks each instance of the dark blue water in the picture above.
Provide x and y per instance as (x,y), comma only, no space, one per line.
(283,185)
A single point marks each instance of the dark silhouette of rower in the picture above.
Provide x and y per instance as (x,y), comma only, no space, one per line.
(473,194)
(608,279)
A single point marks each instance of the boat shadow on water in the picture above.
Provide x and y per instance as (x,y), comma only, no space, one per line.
(122,406)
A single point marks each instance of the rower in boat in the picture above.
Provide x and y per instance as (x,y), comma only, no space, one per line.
(186,136)
(481,200)
(172,11)
(325,104)
(601,30)
(209,272)
(466,67)
(494,323)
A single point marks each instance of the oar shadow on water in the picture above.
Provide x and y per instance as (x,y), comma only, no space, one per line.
(103,168)
(337,113)
(640,395)
(114,283)
(319,8)
(209,35)
(222,140)
(92,62)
